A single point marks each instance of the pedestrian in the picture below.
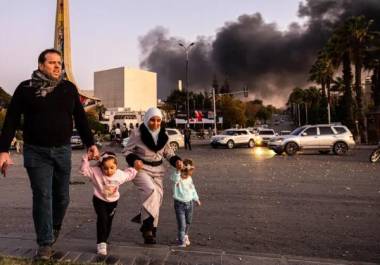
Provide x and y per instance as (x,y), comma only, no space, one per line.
(49,104)
(106,179)
(184,194)
(149,145)
(187,136)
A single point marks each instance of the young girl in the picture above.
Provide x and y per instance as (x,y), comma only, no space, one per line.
(184,194)
(106,179)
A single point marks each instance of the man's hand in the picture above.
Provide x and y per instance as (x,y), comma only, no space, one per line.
(5,161)
(93,152)
(179,164)
(138,164)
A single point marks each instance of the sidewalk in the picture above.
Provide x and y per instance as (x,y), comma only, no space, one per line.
(122,253)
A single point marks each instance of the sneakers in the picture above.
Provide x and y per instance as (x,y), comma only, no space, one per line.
(102,248)
(181,245)
(44,253)
(186,240)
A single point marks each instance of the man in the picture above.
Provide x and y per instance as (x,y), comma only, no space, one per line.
(187,135)
(48,104)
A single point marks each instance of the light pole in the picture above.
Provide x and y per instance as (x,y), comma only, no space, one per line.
(187,50)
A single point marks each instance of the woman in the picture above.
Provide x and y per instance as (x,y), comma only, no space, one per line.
(148,145)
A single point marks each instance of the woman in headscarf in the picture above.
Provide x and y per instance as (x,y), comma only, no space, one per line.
(149,145)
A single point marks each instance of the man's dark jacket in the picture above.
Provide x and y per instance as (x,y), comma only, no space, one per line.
(47,121)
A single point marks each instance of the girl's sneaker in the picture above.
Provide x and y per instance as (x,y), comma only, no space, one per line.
(186,240)
(181,245)
(102,248)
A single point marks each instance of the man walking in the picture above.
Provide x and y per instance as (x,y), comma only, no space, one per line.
(48,104)
(187,135)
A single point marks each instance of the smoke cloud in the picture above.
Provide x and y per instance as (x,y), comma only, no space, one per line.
(250,52)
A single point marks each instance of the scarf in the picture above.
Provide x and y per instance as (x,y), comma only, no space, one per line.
(44,84)
(152,112)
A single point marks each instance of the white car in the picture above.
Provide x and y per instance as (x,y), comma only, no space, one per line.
(176,139)
(233,137)
(263,136)
(321,137)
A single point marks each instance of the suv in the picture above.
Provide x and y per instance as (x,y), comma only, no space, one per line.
(263,136)
(321,137)
(233,137)
(176,139)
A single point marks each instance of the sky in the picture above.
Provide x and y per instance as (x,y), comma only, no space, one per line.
(105,34)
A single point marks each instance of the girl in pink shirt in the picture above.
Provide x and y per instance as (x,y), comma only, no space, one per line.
(106,179)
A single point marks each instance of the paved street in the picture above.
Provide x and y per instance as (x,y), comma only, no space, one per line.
(308,205)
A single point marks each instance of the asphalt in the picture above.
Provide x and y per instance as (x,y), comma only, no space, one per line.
(71,249)
(81,251)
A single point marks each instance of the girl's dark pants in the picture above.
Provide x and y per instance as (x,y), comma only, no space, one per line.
(105,212)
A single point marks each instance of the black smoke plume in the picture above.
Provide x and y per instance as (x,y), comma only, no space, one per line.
(251,52)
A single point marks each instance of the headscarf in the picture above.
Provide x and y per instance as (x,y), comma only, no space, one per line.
(152,112)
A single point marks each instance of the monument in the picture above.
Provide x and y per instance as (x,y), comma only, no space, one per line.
(62,43)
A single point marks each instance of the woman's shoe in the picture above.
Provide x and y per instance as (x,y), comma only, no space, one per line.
(148,237)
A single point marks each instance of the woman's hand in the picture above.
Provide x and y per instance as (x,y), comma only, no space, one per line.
(138,164)
(199,203)
(179,164)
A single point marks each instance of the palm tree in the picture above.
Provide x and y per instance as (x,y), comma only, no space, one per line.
(322,73)
(359,37)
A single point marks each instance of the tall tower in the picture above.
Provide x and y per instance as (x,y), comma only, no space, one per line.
(62,43)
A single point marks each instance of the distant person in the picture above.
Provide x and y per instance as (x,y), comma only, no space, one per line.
(118,132)
(187,136)
(48,104)
(106,179)
(184,194)
(149,145)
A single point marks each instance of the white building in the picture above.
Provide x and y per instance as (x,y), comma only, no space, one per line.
(126,88)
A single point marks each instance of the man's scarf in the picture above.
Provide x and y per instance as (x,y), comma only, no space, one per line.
(44,84)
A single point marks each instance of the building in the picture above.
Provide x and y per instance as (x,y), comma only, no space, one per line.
(123,87)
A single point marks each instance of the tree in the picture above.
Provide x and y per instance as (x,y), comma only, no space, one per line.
(360,36)
(233,111)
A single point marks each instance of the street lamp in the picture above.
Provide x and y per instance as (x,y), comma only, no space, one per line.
(187,50)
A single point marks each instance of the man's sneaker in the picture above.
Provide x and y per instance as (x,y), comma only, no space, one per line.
(55,235)
(102,249)
(186,240)
(44,253)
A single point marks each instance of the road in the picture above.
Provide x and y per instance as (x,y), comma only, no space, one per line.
(253,201)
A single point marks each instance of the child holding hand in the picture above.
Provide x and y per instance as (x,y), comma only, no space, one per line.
(106,179)
(184,193)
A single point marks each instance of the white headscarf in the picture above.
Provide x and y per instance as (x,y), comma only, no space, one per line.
(152,112)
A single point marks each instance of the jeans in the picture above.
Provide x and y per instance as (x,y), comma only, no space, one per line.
(49,170)
(105,212)
(184,215)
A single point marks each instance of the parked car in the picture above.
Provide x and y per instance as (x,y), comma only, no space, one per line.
(321,137)
(76,141)
(176,139)
(263,136)
(285,132)
(233,137)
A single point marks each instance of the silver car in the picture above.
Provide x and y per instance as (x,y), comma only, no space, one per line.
(321,137)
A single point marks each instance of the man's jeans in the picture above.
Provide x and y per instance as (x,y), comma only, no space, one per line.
(49,173)
(184,215)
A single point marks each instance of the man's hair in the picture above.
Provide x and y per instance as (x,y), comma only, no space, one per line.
(42,56)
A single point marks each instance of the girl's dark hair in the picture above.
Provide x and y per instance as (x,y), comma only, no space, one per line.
(107,156)
(188,162)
